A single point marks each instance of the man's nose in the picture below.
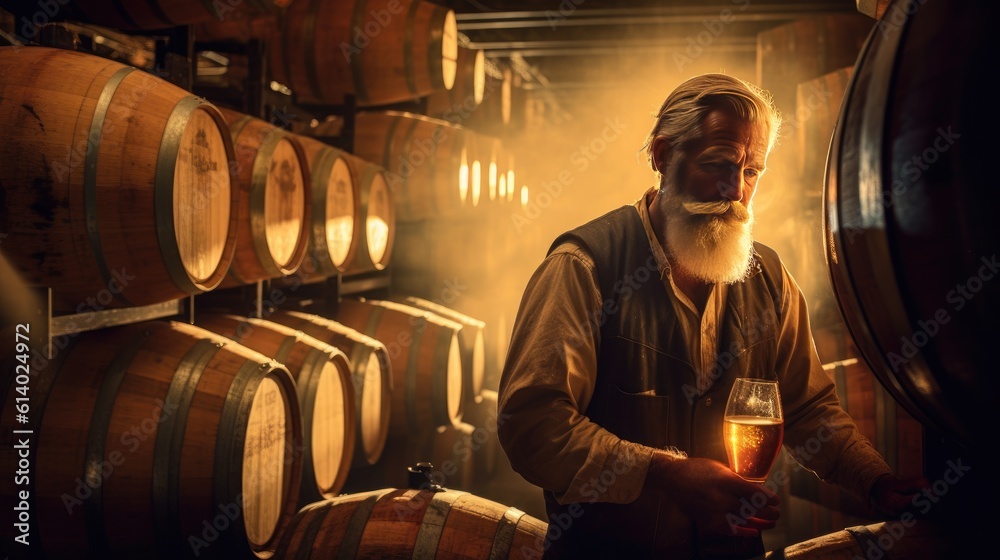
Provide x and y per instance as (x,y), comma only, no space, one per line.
(734,188)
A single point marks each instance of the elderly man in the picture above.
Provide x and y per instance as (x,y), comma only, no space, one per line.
(631,333)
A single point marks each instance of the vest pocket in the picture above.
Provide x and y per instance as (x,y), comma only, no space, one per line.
(638,417)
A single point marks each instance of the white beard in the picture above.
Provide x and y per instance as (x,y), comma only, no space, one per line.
(712,241)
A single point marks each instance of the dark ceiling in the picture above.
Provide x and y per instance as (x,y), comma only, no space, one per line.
(574,43)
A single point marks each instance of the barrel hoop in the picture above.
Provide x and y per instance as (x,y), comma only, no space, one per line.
(408,140)
(306,384)
(886,437)
(154,6)
(317,512)
(357,65)
(97,438)
(163,197)
(90,202)
(412,374)
(387,152)
(237,127)
(286,346)
(440,207)
(440,377)
(408,67)
(323,168)
(506,529)
(435,50)
(227,468)
(122,11)
(864,536)
(309,42)
(435,517)
(169,443)
(356,526)
(258,192)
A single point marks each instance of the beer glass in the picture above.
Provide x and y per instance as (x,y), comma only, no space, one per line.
(753,427)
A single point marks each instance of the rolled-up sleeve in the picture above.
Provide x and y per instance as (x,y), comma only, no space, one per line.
(547,382)
(818,432)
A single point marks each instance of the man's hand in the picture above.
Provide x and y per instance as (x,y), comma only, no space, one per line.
(713,496)
(892,495)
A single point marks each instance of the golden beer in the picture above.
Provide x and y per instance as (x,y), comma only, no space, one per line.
(752,444)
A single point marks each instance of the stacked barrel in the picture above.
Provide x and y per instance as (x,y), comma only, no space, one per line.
(187,425)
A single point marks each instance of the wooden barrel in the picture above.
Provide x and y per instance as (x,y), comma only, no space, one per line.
(371,373)
(470,340)
(117,188)
(401,523)
(911,240)
(890,540)
(156,438)
(141,14)
(335,227)
(379,51)
(427,160)
(492,116)
(375,228)
(425,359)
(456,104)
(325,391)
(275,202)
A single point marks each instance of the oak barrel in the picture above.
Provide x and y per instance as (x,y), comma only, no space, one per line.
(904,539)
(379,51)
(427,160)
(470,340)
(376,226)
(325,391)
(157,437)
(371,373)
(402,523)
(492,116)
(335,228)
(141,14)
(911,237)
(456,104)
(275,202)
(424,355)
(116,183)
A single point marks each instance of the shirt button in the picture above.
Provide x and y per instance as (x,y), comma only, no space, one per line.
(708,401)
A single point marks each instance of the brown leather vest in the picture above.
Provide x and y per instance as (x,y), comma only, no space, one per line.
(646,388)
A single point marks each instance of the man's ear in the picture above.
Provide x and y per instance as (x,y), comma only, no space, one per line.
(661,154)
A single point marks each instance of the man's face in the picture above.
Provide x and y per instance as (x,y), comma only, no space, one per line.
(725,163)
(707,190)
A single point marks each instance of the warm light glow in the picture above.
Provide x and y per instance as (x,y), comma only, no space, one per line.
(378,238)
(339,235)
(503,187)
(493,180)
(463,181)
(524,195)
(477,180)
(510,182)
